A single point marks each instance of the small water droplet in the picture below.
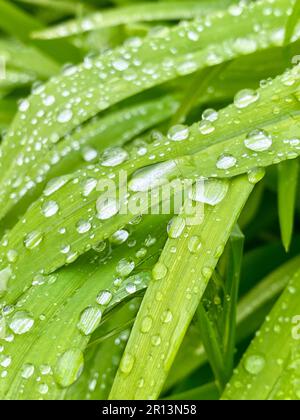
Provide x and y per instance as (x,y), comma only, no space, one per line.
(104,297)
(27,370)
(65,116)
(159,271)
(127,363)
(146,324)
(176,227)
(107,208)
(114,156)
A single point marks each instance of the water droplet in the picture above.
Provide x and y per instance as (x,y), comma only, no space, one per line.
(21,322)
(89,320)
(55,184)
(27,370)
(107,208)
(50,208)
(12,255)
(226,162)
(178,133)
(125,267)
(83,226)
(89,154)
(104,297)
(146,324)
(119,237)
(65,116)
(255,175)
(43,389)
(254,364)
(194,244)
(156,340)
(2,328)
(89,187)
(5,361)
(151,176)
(209,191)
(69,367)
(114,156)
(210,115)
(127,363)
(5,276)
(24,105)
(159,271)
(258,141)
(167,317)
(245,97)
(176,227)
(33,239)
(206,127)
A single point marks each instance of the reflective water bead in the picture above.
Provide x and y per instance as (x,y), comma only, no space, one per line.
(178,133)
(127,363)
(5,276)
(107,208)
(21,322)
(206,127)
(254,364)
(258,141)
(90,319)
(33,239)
(125,267)
(176,227)
(119,237)
(83,226)
(210,115)
(27,370)
(104,297)
(114,156)
(159,271)
(226,162)
(69,367)
(209,191)
(245,97)
(65,116)
(50,208)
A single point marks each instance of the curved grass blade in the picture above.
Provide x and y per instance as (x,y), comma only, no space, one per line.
(269,369)
(144,12)
(99,282)
(167,311)
(135,67)
(252,311)
(74,197)
(287,194)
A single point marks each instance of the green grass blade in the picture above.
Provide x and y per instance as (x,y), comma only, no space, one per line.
(292,22)
(160,343)
(269,368)
(144,12)
(207,392)
(129,78)
(287,195)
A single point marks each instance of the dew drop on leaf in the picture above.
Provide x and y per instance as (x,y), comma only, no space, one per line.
(258,141)
(33,239)
(90,319)
(254,364)
(226,162)
(245,97)
(21,322)
(178,133)
(50,208)
(69,367)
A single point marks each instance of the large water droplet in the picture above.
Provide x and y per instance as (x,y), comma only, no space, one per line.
(258,141)
(159,271)
(176,227)
(65,116)
(21,322)
(178,133)
(151,176)
(27,370)
(33,239)
(226,162)
(104,297)
(245,97)
(89,320)
(209,191)
(125,267)
(69,367)
(50,208)
(107,208)
(114,156)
